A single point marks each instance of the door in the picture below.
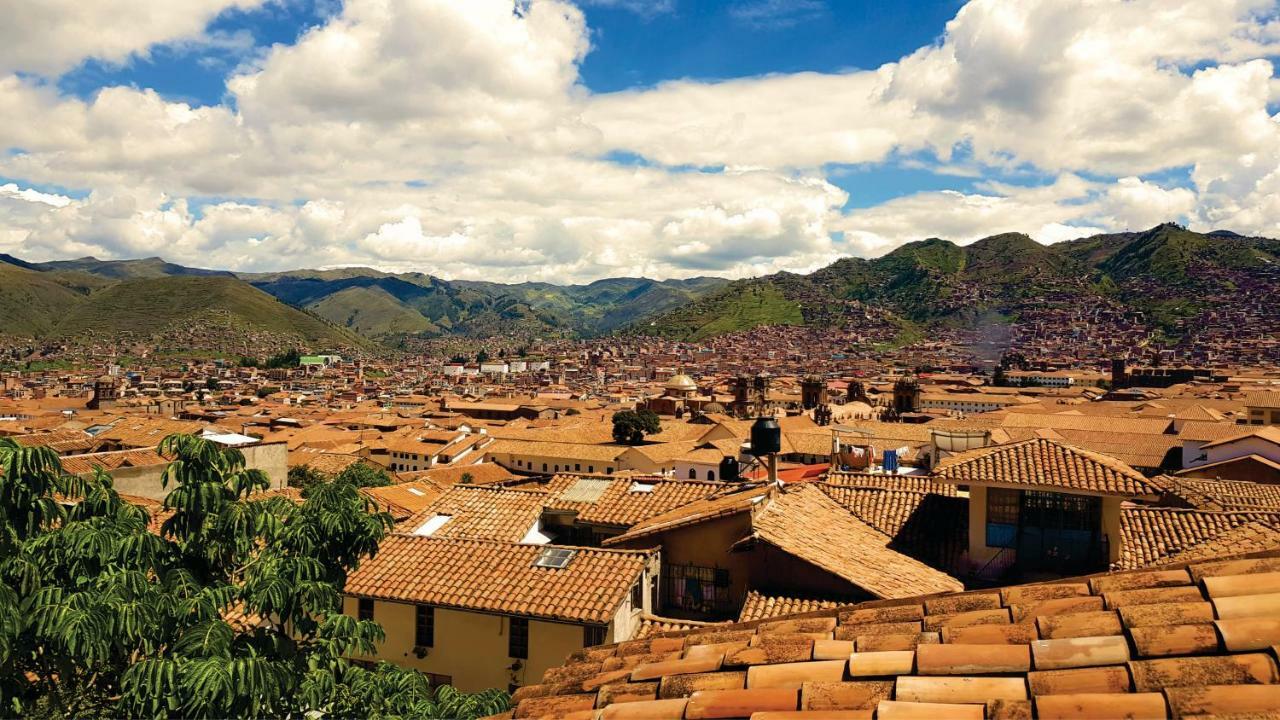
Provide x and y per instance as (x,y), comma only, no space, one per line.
(1060,533)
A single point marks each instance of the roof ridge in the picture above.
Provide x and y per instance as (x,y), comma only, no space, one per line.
(491,541)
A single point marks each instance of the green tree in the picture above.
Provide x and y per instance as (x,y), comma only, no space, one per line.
(630,426)
(363,474)
(287,359)
(304,476)
(232,609)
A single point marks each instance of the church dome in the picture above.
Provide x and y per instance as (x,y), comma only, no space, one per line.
(682,383)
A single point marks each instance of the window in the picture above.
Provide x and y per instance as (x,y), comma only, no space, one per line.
(637,595)
(518,640)
(577,467)
(693,474)
(554,557)
(544,467)
(438,680)
(593,635)
(424,628)
(711,474)
(364,609)
(1002,517)
(591,468)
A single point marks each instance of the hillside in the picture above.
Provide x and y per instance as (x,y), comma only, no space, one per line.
(138,308)
(380,304)
(152,267)
(1167,275)
(32,302)
(1167,272)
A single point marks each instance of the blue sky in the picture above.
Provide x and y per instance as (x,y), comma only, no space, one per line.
(633,45)
(568,140)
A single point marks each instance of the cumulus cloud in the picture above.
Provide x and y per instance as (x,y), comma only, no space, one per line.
(456,138)
(51,36)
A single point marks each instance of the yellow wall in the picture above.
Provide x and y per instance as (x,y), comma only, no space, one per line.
(707,545)
(471,647)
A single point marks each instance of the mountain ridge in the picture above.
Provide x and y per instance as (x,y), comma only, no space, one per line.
(1165,269)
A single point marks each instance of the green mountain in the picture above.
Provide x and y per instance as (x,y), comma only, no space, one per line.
(152,267)
(379,304)
(31,302)
(72,301)
(1167,271)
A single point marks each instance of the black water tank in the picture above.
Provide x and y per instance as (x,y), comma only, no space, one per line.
(766,437)
(729,469)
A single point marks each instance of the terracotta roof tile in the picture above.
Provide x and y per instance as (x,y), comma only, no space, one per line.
(807,524)
(1145,659)
(759,606)
(498,577)
(1155,535)
(1045,463)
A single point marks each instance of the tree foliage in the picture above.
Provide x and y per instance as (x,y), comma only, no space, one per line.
(630,426)
(226,604)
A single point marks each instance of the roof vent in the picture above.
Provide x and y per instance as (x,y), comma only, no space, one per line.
(554,557)
(641,487)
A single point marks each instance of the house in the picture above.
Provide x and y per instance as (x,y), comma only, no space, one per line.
(796,539)
(1042,506)
(533,456)
(1263,408)
(478,614)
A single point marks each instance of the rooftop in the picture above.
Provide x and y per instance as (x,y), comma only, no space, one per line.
(498,577)
(1179,642)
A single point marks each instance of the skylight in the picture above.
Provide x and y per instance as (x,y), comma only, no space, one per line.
(429,528)
(642,487)
(554,557)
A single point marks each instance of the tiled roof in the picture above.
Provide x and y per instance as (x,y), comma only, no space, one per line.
(1048,463)
(80,464)
(1172,643)
(325,462)
(760,607)
(482,511)
(654,625)
(140,432)
(910,483)
(930,527)
(498,577)
(805,523)
(625,501)
(481,474)
(1206,494)
(731,503)
(1261,398)
(1136,449)
(405,499)
(1207,431)
(61,441)
(1270,433)
(1151,535)
(1092,423)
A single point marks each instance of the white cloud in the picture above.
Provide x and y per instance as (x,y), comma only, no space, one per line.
(48,37)
(455,138)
